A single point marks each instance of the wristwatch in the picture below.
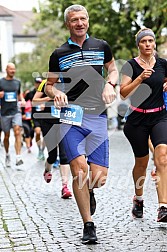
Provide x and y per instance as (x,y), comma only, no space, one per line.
(112,84)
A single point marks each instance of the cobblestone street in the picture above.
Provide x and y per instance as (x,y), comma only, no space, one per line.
(34,217)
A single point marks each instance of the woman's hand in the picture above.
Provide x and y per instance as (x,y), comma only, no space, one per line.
(146,73)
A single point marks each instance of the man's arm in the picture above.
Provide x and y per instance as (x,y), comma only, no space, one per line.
(112,71)
(1,92)
(60,98)
(109,94)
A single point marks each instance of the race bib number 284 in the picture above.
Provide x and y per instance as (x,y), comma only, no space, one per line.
(72,114)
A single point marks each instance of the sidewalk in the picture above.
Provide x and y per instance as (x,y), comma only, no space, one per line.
(34,217)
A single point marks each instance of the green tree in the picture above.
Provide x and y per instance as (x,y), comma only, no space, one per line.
(102,17)
(146,13)
(115,21)
(50,37)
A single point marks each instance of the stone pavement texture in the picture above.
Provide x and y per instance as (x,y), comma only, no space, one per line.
(34,217)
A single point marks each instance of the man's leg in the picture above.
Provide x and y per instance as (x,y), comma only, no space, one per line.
(17,127)
(82,188)
(17,134)
(6,123)
(97,178)
(6,146)
(79,170)
(74,144)
(6,141)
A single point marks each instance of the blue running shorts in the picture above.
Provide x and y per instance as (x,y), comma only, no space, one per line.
(89,139)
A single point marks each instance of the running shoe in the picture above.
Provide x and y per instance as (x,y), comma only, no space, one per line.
(56,164)
(47,173)
(19,161)
(41,155)
(1,144)
(89,233)
(162,214)
(29,150)
(92,203)
(7,161)
(137,210)
(47,176)
(65,193)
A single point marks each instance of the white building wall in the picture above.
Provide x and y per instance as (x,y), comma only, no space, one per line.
(23,46)
(6,42)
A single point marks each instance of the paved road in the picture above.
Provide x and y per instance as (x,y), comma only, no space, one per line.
(33,217)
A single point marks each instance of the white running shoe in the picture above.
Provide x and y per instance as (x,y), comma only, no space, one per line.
(19,161)
(7,161)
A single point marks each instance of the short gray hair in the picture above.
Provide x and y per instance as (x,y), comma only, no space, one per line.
(72,8)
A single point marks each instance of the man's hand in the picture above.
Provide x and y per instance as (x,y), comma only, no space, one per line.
(60,99)
(108,95)
(165,85)
(1,94)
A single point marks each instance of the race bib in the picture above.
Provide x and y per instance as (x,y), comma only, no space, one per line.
(55,112)
(38,108)
(72,114)
(28,115)
(10,96)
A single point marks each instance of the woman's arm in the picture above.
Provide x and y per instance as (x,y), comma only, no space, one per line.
(127,86)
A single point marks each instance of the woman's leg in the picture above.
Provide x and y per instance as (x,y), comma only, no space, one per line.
(159,139)
(64,172)
(138,137)
(161,172)
(139,174)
